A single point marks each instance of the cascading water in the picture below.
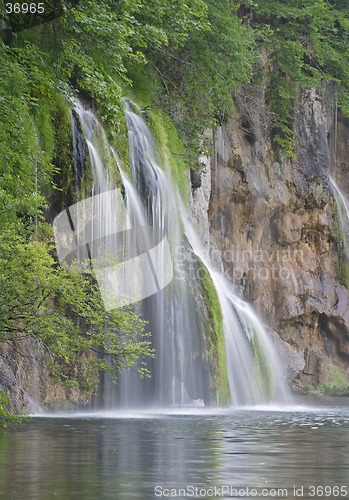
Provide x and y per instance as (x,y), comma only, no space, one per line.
(253,367)
(180,374)
(343,214)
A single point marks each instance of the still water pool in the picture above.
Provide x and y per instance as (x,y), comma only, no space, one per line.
(179,454)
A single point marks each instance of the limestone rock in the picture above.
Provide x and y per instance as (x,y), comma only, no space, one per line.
(277,221)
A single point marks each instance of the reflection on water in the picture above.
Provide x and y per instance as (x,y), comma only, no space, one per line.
(100,457)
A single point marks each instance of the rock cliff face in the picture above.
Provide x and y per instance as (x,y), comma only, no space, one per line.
(27,383)
(274,224)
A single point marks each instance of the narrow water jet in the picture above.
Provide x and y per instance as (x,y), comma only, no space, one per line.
(343,214)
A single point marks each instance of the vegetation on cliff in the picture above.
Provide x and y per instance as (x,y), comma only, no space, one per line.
(338,385)
(191,54)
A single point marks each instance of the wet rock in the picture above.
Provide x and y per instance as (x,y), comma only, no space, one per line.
(27,382)
(291,358)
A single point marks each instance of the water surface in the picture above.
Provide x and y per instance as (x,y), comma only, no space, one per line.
(127,455)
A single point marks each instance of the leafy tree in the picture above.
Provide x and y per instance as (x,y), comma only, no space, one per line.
(198,51)
(199,76)
(61,311)
(307,45)
(6,417)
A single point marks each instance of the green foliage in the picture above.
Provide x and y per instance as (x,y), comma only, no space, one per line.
(198,77)
(6,416)
(60,309)
(337,386)
(307,45)
(64,179)
(23,163)
(93,80)
(194,53)
(101,40)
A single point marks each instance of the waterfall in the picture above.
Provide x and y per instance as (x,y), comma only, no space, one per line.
(179,374)
(245,340)
(341,201)
(176,318)
(343,214)
(177,312)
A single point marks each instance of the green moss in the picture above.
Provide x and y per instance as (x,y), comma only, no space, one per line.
(63,158)
(120,144)
(342,268)
(280,96)
(102,145)
(43,121)
(220,388)
(265,379)
(145,86)
(337,386)
(170,149)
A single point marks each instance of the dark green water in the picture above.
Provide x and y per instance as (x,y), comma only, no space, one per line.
(127,457)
